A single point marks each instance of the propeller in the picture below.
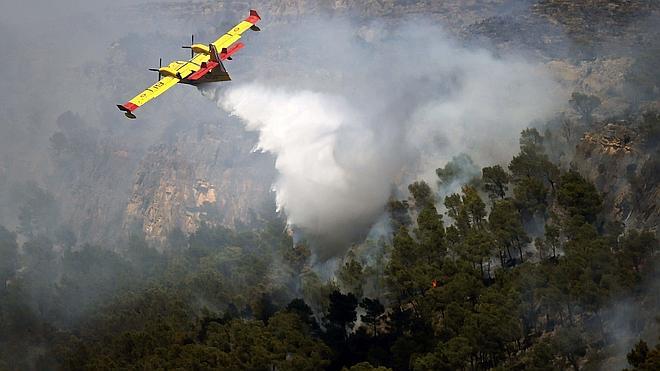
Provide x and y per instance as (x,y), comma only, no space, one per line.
(160,64)
(192,42)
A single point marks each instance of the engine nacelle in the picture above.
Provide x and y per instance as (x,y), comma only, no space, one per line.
(168,71)
(200,48)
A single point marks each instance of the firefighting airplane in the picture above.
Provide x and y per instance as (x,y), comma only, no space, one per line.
(204,66)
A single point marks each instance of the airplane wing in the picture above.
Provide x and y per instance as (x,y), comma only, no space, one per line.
(148,94)
(204,61)
(173,73)
(226,40)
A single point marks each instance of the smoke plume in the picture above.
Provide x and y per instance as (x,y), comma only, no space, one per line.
(360,110)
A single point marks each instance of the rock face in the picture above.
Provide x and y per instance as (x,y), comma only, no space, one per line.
(614,157)
(209,175)
(94,203)
(602,77)
(594,18)
(107,189)
(90,177)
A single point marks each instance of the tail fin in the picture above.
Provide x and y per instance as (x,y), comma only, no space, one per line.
(215,57)
(254,17)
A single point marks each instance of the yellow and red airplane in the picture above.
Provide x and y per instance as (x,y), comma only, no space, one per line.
(204,66)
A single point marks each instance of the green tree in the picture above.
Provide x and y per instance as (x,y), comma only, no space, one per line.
(644,359)
(456,211)
(540,357)
(505,223)
(400,276)
(532,162)
(414,265)
(570,346)
(430,233)
(421,194)
(454,354)
(531,197)
(476,248)
(638,354)
(474,205)
(637,248)
(317,292)
(263,308)
(495,181)
(552,238)
(341,315)
(493,327)
(293,345)
(579,196)
(468,210)
(531,140)
(460,169)
(297,257)
(399,215)
(373,309)
(351,274)
(302,310)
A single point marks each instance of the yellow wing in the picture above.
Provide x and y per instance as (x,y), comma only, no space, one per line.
(173,73)
(235,33)
(179,70)
(148,94)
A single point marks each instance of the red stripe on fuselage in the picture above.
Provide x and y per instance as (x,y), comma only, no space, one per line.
(209,66)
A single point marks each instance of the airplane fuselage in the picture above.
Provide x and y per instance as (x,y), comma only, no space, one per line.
(205,65)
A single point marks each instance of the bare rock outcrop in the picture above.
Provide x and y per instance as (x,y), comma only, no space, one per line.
(207,175)
(614,158)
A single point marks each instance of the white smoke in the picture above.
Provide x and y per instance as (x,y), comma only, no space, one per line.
(329,163)
(355,115)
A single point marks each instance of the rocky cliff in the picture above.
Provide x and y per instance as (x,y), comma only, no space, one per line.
(618,156)
(90,177)
(207,174)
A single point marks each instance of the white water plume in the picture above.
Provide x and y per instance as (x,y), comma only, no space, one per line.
(346,127)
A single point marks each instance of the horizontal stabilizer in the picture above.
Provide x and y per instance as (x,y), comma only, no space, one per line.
(128,109)
(254,17)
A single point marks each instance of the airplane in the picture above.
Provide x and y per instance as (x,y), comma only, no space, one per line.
(205,65)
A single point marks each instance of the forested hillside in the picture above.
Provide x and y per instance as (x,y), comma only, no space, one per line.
(520,270)
(515,145)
